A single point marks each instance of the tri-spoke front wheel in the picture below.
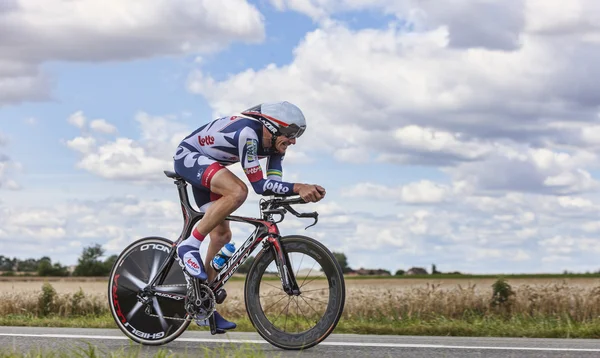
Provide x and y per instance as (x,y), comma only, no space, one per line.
(303,321)
(154,317)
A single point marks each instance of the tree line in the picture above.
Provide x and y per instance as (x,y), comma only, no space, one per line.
(343,261)
(88,264)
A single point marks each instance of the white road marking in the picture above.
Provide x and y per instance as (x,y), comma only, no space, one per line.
(326,343)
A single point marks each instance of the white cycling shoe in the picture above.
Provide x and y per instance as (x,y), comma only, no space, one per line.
(192,262)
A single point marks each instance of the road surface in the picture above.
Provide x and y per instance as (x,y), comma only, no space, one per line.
(25,339)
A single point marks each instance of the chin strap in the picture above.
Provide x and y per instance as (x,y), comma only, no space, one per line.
(272,149)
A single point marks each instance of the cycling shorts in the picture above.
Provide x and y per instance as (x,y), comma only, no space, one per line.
(198,170)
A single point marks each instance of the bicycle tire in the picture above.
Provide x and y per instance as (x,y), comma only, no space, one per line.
(129,272)
(335,306)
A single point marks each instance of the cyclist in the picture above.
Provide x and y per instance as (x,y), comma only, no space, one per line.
(263,131)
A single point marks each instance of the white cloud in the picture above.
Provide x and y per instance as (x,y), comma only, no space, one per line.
(424,191)
(521,168)
(568,245)
(421,192)
(33,218)
(491,24)
(77,119)
(36,33)
(504,102)
(8,168)
(113,222)
(426,145)
(101,126)
(81,144)
(40,224)
(294,156)
(124,159)
(148,209)
(142,160)
(577,17)
(352,155)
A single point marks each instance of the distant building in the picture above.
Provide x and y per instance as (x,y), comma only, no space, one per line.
(416,271)
(369,272)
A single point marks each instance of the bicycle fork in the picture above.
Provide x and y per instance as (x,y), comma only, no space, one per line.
(284,266)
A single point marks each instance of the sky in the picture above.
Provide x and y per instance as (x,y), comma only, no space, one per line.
(463,133)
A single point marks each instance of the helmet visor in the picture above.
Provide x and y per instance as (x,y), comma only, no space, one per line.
(292,131)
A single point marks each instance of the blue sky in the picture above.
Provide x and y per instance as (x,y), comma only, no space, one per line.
(437,143)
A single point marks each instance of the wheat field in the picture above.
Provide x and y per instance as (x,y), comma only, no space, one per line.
(389,299)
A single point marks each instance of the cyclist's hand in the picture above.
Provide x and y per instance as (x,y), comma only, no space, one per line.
(311,193)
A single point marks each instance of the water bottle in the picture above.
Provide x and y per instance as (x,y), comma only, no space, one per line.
(222,256)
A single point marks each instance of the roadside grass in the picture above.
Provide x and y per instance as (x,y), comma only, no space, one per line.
(552,310)
(89,350)
(474,326)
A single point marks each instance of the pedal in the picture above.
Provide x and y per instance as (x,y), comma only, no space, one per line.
(213,326)
(220,295)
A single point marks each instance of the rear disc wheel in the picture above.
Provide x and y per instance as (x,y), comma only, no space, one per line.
(131,272)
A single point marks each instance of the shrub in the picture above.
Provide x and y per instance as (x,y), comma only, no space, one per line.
(502,292)
(46,300)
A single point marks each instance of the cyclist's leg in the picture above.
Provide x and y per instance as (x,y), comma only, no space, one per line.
(217,192)
(232,193)
(227,191)
(219,236)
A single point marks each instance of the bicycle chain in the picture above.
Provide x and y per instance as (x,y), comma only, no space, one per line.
(169,317)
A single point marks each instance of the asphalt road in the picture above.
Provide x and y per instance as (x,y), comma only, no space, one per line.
(25,339)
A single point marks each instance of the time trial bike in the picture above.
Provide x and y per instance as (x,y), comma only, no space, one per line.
(153,299)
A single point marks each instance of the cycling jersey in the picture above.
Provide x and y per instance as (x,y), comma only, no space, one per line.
(226,141)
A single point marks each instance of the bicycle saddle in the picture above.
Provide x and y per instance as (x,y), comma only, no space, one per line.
(172,175)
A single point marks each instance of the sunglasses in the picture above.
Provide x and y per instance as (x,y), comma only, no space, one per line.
(292,131)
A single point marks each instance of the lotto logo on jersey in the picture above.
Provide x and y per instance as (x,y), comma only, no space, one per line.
(206,140)
(275,187)
(253,170)
(254,174)
(251,150)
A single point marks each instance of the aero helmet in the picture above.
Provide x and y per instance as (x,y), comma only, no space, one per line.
(280,118)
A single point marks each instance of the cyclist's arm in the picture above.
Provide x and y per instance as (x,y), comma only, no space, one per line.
(248,147)
(274,167)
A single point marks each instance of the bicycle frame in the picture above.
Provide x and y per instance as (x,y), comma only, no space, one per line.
(263,229)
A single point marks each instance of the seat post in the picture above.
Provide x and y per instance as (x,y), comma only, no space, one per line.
(183,194)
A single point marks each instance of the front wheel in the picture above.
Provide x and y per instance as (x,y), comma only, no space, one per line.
(164,317)
(296,322)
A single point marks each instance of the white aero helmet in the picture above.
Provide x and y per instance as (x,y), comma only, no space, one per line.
(280,118)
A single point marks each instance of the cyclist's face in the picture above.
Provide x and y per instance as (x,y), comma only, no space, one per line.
(282,142)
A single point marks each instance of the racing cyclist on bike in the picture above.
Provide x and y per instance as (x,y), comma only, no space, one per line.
(263,131)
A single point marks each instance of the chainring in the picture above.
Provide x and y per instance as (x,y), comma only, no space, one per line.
(200,302)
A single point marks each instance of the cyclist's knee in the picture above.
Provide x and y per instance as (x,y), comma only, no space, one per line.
(226,184)
(239,193)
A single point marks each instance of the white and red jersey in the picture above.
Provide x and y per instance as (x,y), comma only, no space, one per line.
(233,139)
